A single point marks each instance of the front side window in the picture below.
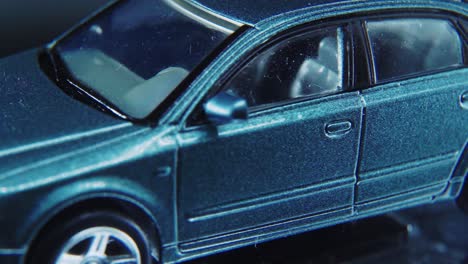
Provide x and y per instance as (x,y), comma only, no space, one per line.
(405,47)
(310,64)
(137,52)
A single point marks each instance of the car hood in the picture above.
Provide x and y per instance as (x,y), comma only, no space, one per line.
(35,114)
(34,109)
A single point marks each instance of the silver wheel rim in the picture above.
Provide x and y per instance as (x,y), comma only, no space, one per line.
(99,245)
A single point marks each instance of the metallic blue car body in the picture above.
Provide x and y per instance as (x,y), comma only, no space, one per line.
(209,189)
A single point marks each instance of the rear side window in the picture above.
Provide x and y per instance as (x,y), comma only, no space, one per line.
(406,47)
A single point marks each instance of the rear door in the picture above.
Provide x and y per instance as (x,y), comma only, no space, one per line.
(415,122)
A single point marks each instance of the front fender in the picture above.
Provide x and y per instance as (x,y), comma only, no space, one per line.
(52,201)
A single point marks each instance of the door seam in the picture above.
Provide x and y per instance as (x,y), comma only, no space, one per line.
(362,133)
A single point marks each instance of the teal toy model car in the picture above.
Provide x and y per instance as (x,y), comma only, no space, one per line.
(158,131)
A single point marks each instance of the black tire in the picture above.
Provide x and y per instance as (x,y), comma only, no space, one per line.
(123,237)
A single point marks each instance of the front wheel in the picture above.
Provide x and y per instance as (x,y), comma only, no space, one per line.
(94,238)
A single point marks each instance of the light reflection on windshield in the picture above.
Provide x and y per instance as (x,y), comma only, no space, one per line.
(136,53)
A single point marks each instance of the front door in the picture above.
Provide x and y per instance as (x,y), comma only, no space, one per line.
(294,157)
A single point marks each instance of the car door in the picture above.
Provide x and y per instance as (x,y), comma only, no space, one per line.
(415,123)
(294,157)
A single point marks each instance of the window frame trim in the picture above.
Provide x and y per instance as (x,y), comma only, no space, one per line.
(463,32)
(343,20)
(360,41)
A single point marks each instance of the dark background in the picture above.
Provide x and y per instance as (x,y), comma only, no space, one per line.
(25,24)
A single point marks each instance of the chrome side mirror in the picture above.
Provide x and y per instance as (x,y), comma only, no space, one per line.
(224,108)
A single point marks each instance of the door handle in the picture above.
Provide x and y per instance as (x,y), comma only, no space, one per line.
(464,100)
(338,128)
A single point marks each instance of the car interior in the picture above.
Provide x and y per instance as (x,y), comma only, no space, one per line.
(120,85)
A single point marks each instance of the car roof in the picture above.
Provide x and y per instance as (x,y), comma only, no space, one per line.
(252,12)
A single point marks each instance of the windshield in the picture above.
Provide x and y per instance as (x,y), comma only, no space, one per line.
(138,51)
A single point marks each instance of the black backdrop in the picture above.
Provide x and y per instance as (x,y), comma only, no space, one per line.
(25,24)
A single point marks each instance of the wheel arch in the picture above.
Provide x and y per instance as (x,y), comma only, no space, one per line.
(53,210)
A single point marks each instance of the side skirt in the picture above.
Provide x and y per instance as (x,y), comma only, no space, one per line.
(194,249)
